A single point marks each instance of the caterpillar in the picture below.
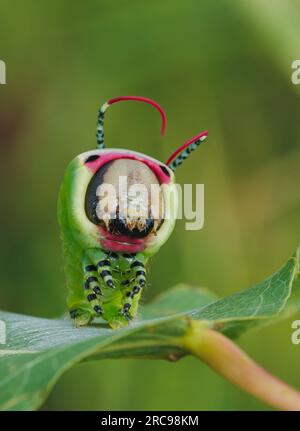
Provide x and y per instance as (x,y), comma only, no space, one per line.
(107,242)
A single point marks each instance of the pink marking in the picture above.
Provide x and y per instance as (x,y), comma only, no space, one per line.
(119,238)
(110,245)
(185,145)
(109,156)
(146,100)
(120,243)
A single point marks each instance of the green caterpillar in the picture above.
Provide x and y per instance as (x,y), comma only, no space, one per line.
(106,254)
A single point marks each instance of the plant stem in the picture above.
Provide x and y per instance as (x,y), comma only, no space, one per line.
(221,354)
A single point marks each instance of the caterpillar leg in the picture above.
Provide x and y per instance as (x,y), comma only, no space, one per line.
(90,305)
(104,271)
(138,282)
(92,288)
(81,316)
(139,271)
(126,310)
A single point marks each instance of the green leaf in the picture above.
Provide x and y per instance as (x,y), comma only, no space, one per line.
(257,305)
(180,299)
(38,351)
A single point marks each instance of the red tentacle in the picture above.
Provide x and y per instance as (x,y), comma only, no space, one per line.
(185,145)
(146,100)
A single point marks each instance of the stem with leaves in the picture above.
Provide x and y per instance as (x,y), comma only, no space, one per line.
(228,360)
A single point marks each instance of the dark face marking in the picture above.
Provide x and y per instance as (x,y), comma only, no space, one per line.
(91,200)
(165,170)
(118,223)
(92,158)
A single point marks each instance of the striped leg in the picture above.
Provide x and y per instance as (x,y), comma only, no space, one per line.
(89,306)
(104,271)
(92,288)
(139,271)
(139,281)
(125,311)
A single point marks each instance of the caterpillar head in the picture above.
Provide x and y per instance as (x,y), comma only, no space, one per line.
(122,200)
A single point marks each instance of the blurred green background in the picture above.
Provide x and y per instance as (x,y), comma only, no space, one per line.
(223,66)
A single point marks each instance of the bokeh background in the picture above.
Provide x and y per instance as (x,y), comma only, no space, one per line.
(223,66)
